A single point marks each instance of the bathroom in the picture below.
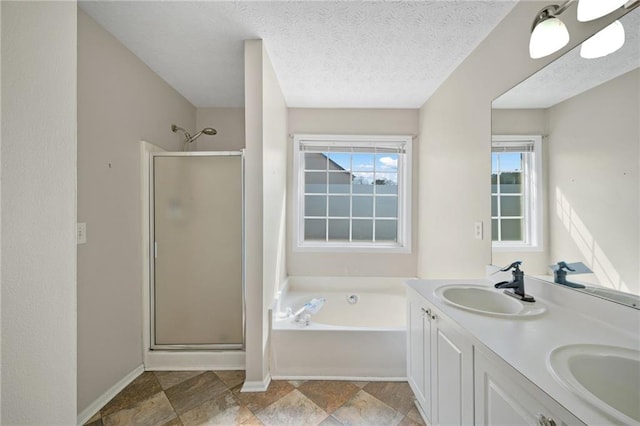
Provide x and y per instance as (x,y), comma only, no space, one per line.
(102,344)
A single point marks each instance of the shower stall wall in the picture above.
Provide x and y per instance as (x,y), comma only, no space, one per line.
(197,262)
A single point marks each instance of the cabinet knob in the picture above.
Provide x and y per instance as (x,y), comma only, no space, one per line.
(545,421)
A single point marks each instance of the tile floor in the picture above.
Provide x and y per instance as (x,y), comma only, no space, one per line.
(174,398)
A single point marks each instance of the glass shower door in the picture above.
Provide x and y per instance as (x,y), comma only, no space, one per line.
(197,293)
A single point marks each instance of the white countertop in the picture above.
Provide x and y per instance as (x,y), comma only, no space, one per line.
(525,343)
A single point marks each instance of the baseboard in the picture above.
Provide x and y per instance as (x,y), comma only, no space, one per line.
(342,378)
(194,360)
(102,400)
(257,385)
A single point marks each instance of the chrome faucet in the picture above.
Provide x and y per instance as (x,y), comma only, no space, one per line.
(517,284)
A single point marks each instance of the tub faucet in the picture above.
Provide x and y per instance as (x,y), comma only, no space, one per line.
(560,275)
(517,284)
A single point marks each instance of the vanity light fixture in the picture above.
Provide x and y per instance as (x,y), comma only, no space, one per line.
(548,32)
(604,42)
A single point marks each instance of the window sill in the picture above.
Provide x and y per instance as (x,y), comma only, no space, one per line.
(352,248)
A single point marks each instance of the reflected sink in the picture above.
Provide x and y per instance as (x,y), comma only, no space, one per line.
(487,301)
(606,376)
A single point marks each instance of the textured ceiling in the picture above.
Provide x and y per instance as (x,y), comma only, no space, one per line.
(349,54)
(571,75)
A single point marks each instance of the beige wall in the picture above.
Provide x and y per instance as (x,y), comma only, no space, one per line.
(120,102)
(525,122)
(229,122)
(352,121)
(38,189)
(455,135)
(265,178)
(593,162)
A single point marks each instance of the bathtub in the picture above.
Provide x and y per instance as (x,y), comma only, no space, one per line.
(365,340)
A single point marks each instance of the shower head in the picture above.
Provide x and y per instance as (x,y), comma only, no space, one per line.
(188,138)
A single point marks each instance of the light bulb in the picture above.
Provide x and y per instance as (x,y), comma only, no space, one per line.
(548,37)
(588,10)
(606,41)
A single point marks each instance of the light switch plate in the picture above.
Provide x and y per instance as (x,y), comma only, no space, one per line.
(477,230)
(81,235)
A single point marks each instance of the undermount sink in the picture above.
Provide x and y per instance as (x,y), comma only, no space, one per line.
(608,377)
(487,301)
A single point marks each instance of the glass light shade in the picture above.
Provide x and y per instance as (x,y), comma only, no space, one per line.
(588,10)
(547,37)
(606,41)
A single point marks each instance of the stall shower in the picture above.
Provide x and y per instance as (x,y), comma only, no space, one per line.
(196,246)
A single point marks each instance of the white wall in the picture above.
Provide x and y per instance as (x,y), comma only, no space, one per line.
(594,179)
(229,122)
(120,102)
(525,122)
(455,135)
(38,213)
(352,121)
(265,185)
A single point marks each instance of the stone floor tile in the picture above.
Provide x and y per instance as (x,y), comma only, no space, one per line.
(292,409)
(330,394)
(155,410)
(366,410)
(397,395)
(256,401)
(97,416)
(97,422)
(223,410)
(330,421)
(174,422)
(297,383)
(231,378)
(415,415)
(144,386)
(253,421)
(410,421)
(168,379)
(360,384)
(194,391)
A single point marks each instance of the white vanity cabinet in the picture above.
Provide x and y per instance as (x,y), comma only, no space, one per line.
(505,397)
(440,364)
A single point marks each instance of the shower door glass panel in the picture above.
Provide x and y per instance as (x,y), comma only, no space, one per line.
(198,270)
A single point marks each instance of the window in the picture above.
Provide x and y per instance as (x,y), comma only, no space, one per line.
(352,192)
(516,196)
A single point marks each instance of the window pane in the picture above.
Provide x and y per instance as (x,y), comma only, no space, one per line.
(494,229)
(494,206)
(510,206)
(494,183)
(339,229)
(494,162)
(362,162)
(511,182)
(386,206)
(315,161)
(386,183)
(363,183)
(510,161)
(386,230)
(362,230)
(315,205)
(339,182)
(387,162)
(315,182)
(362,207)
(315,229)
(339,206)
(511,229)
(339,161)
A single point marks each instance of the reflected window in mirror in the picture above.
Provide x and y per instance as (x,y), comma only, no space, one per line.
(516,203)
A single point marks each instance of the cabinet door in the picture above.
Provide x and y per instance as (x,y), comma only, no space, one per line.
(504,399)
(453,365)
(419,352)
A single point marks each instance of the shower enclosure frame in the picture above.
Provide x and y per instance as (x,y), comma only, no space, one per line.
(152,258)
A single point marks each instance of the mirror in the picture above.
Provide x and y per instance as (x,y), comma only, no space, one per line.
(566,172)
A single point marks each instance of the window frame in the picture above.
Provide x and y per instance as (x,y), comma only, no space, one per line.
(403,243)
(533,196)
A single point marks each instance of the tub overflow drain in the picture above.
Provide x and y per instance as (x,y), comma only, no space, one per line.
(352,298)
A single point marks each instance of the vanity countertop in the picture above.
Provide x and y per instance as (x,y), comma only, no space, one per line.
(525,343)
